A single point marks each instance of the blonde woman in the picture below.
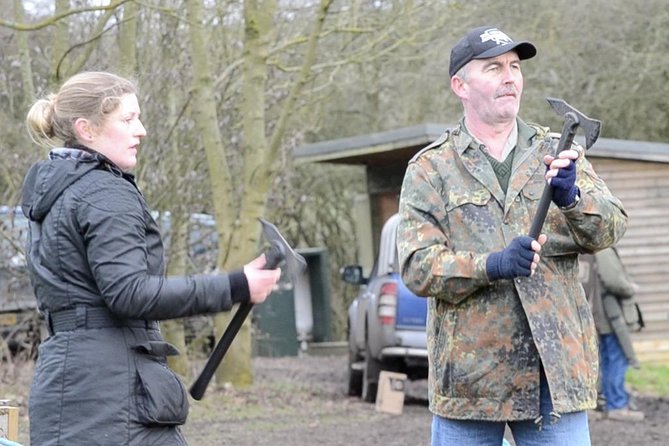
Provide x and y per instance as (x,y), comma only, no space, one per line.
(95,257)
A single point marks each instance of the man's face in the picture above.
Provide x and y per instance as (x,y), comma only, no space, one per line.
(491,88)
(120,134)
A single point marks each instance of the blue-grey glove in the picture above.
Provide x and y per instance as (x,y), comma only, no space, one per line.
(513,261)
(564,186)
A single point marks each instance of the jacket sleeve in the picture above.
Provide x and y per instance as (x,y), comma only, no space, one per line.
(112,220)
(613,274)
(599,220)
(429,266)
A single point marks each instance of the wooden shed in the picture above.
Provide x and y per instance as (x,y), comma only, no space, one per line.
(635,171)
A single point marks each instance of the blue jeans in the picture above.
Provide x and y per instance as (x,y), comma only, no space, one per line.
(571,429)
(613,366)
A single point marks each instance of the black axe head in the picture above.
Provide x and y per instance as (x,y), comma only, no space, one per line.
(590,126)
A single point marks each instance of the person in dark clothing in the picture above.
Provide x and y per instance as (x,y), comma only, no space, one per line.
(610,291)
(95,259)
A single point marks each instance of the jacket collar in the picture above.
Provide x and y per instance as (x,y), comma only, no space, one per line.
(464,140)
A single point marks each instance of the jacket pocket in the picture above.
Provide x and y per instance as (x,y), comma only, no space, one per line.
(161,396)
(632,314)
(466,197)
(532,193)
(468,208)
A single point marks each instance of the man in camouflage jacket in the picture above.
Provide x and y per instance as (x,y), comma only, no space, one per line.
(501,318)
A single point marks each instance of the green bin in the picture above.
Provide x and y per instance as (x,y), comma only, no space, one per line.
(274,323)
(277,320)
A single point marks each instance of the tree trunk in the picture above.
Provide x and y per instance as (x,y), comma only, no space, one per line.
(173,330)
(128,39)
(60,40)
(24,57)
(204,111)
(238,228)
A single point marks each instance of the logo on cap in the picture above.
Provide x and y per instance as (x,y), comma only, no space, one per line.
(496,36)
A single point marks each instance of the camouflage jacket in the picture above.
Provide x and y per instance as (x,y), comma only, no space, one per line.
(488,339)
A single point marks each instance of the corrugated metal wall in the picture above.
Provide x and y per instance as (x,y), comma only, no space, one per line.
(643,188)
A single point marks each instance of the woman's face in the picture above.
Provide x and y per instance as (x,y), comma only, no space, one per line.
(120,134)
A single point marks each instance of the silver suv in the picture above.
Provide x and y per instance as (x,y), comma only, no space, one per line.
(386,322)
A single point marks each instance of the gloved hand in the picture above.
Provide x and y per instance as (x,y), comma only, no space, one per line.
(564,186)
(513,261)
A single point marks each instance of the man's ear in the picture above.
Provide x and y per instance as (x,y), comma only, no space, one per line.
(458,86)
(84,129)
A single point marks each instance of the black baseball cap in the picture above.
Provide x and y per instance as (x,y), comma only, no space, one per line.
(485,42)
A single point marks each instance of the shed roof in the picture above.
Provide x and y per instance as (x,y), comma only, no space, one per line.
(399,145)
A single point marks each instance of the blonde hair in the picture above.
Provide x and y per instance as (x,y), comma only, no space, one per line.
(91,95)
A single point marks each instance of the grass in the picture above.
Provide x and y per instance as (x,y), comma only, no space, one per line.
(257,403)
(650,379)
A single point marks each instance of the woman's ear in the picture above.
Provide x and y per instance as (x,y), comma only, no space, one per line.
(84,130)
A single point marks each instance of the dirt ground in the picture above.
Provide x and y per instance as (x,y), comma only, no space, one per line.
(303,401)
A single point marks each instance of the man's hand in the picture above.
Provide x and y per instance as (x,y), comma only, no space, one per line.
(518,259)
(561,174)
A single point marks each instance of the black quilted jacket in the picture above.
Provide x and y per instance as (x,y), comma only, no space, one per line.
(95,247)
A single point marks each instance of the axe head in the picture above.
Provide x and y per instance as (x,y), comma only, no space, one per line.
(295,263)
(591,127)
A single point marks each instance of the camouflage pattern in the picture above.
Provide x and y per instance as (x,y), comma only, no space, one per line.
(488,339)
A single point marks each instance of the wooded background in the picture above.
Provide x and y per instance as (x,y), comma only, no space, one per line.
(230,88)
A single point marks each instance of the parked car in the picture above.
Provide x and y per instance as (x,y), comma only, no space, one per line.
(20,326)
(20,322)
(386,322)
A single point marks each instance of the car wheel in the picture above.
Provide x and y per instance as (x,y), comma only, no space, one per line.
(370,378)
(354,375)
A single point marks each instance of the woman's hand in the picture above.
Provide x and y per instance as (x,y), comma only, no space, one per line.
(261,281)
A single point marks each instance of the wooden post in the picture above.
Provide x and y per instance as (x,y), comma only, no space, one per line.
(9,421)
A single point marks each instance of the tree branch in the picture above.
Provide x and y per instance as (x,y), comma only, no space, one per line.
(53,19)
(307,64)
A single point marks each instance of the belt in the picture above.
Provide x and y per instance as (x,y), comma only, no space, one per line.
(85,317)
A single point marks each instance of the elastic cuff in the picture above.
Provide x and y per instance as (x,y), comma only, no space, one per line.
(492,266)
(566,199)
(576,199)
(239,287)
